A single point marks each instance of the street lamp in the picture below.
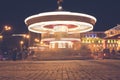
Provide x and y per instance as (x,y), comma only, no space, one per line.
(21,44)
(26,36)
(26,39)
(1,37)
(5,28)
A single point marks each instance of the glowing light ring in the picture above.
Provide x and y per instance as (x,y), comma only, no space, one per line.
(62,39)
(81,26)
(60,42)
(60,13)
(51,26)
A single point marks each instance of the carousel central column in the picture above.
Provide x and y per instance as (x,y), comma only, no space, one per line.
(60,31)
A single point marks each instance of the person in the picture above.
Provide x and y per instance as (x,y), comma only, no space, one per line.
(14,54)
(106,53)
(113,52)
(1,56)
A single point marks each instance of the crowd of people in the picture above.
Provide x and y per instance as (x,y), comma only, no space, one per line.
(18,54)
(14,54)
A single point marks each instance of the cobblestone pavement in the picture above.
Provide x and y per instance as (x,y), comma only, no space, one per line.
(60,70)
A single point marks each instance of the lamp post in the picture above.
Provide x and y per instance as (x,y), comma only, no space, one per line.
(21,45)
(5,28)
(1,37)
(26,39)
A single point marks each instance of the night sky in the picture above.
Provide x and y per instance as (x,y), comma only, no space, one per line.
(14,12)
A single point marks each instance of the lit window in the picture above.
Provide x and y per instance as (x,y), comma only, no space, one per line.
(87,41)
(108,41)
(60,45)
(95,35)
(99,41)
(111,41)
(114,45)
(110,45)
(83,41)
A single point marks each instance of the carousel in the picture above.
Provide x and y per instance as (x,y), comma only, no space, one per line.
(56,27)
